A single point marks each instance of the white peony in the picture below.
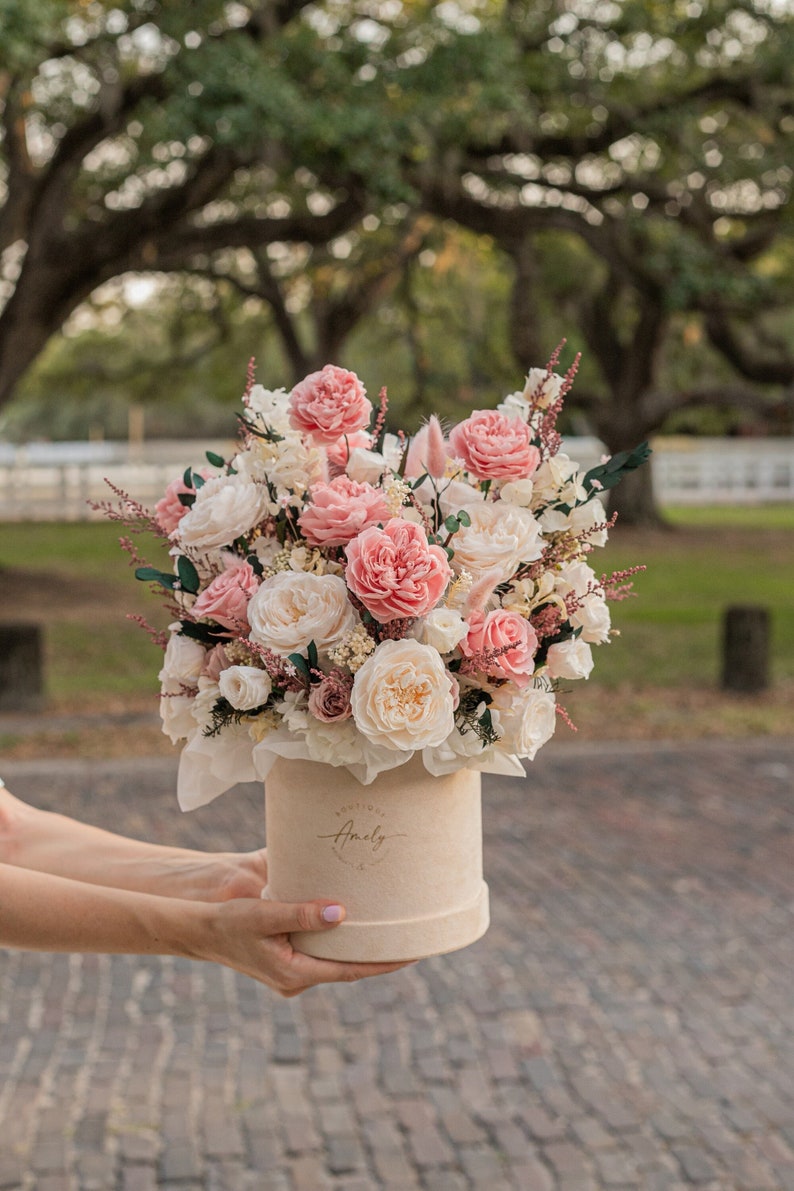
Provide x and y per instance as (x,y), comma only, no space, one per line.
(245,687)
(402,696)
(270,407)
(183,661)
(293,608)
(441,629)
(499,538)
(527,719)
(224,509)
(569,659)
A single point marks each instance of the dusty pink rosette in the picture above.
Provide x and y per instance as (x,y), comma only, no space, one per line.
(169,510)
(329,404)
(225,599)
(340,510)
(492,631)
(395,572)
(493,446)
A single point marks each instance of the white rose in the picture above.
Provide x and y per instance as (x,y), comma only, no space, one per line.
(176,711)
(527,719)
(592,617)
(293,608)
(517,492)
(402,696)
(224,509)
(570,659)
(183,661)
(499,538)
(576,577)
(245,687)
(441,629)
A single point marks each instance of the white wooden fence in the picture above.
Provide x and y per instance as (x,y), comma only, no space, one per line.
(55,481)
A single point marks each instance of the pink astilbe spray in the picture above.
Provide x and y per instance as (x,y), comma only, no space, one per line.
(380,420)
(158,636)
(618,586)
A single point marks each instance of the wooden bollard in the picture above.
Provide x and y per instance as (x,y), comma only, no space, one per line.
(21,667)
(745,649)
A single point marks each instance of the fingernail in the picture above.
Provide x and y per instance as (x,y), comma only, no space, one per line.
(332,913)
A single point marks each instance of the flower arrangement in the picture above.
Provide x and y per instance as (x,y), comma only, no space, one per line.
(352,596)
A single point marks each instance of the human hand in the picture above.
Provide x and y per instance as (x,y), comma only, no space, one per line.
(252,936)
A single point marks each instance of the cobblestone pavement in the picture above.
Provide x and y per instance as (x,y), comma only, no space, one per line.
(628,1021)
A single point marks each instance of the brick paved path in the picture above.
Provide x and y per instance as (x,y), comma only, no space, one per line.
(628,1021)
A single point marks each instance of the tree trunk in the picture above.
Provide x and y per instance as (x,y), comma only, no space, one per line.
(633,500)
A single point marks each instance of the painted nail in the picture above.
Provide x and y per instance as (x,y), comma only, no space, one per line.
(332,913)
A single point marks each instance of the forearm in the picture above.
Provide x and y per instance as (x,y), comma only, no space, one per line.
(51,843)
(41,912)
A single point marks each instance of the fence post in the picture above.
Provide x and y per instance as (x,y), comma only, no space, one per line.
(21,667)
(745,649)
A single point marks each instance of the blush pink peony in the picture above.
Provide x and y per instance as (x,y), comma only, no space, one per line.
(340,510)
(329,404)
(493,446)
(225,599)
(395,572)
(492,631)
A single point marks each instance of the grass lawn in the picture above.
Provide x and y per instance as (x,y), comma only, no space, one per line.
(659,677)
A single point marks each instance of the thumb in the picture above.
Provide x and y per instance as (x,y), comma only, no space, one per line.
(285,917)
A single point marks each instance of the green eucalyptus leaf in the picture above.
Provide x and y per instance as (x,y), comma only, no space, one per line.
(188,575)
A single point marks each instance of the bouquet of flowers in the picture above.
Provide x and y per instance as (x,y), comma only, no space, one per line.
(352,596)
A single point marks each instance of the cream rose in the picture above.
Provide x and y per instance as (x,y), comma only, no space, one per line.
(245,687)
(593,618)
(293,608)
(499,537)
(224,509)
(403,697)
(176,711)
(183,661)
(527,719)
(441,629)
(569,659)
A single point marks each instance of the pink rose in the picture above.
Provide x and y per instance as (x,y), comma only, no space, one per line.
(338,452)
(395,572)
(492,631)
(341,510)
(329,404)
(169,510)
(493,446)
(225,599)
(329,700)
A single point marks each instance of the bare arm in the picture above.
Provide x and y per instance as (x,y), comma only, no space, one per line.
(52,843)
(40,912)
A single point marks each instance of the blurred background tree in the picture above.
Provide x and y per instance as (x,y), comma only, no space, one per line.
(433,194)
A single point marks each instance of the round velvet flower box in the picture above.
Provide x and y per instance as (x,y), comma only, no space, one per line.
(403,855)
